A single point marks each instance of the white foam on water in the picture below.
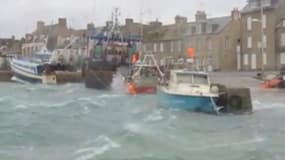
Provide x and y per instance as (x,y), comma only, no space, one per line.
(172,117)
(156,116)
(226,145)
(21,106)
(134,128)
(92,101)
(256,102)
(60,105)
(69,91)
(86,110)
(109,96)
(267,106)
(101,144)
(85,99)
(3,99)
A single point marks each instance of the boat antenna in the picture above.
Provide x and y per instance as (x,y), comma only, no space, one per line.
(115,26)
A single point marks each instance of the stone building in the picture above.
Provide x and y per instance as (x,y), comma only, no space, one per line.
(10,46)
(54,36)
(213,39)
(272,24)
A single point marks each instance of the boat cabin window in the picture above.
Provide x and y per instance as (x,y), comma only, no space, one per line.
(184,78)
(200,79)
(192,78)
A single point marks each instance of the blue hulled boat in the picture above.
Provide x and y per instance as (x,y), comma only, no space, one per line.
(188,90)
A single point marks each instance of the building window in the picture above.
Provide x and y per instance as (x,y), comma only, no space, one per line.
(249,42)
(265,3)
(264,58)
(245,59)
(249,23)
(227,43)
(171,47)
(193,30)
(198,43)
(161,47)
(282,58)
(179,47)
(154,47)
(238,49)
(264,41)
(282,40)
(264,21)
(209,44)
(204,27)
(253,61)
(215,27)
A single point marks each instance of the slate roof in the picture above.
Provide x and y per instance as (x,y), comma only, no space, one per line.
(174,31)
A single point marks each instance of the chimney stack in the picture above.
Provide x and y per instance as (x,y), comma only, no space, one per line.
(129,21)
(40,25)
(90,26)
(180,20)
(201,16)
(62,22)
(236,14)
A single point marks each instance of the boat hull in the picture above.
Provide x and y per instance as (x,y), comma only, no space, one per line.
(189,103)
(134,90)
(24,76)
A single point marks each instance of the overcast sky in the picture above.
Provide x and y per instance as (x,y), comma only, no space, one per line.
(18,17)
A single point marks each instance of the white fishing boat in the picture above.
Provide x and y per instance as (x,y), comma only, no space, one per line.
(144,76)
(38,67)
(30,69)
(189,90)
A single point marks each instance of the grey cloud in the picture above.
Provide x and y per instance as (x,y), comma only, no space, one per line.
(19,16)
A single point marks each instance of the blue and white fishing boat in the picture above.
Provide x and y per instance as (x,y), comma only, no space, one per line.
(30,69)
(189,90)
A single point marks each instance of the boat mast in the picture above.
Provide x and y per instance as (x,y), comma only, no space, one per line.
(115,26)
(141,31)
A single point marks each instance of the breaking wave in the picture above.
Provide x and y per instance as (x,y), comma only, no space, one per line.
(95,148)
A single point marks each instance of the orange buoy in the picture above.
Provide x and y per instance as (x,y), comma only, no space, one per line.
(132,89)
(273,83)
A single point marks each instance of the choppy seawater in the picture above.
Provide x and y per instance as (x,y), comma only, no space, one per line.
(70,122)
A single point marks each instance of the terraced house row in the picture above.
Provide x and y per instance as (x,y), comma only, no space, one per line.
(232,42)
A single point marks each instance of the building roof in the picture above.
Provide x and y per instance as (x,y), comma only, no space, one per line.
(254,5)
(213,26)
(176,31)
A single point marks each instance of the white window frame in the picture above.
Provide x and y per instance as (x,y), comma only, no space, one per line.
(154,47)
(249,42)
(227,43)
(171,47)
(264,58)
(253,60)
(245,59)
(209,44)
(179,46)
(249,23)
(282,40)
(264,41)
(161,47)
(282,58)
(264,21)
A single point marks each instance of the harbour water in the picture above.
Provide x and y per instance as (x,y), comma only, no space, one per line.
(70,122)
